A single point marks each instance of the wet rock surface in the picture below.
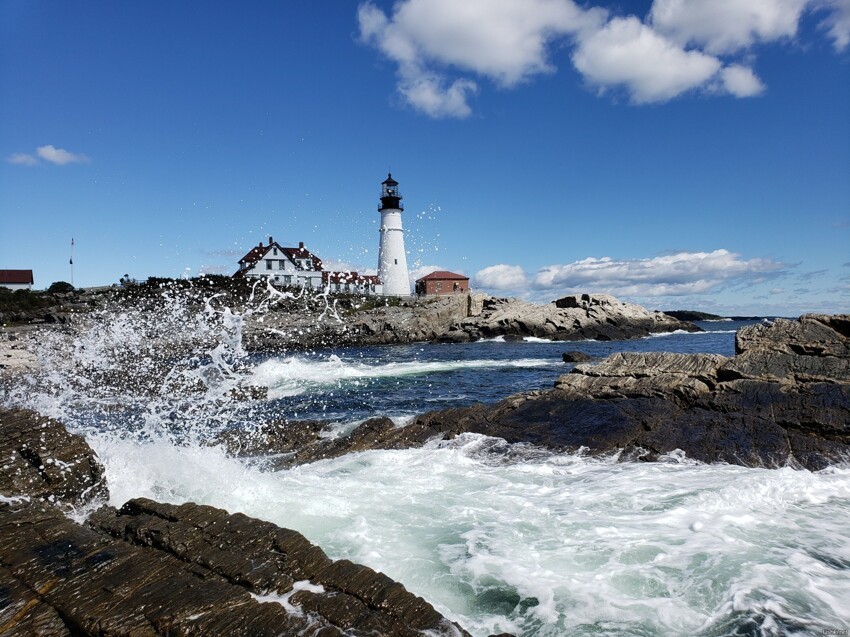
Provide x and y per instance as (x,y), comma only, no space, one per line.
(161,569)
(157,569)
(784,399)
(41,459)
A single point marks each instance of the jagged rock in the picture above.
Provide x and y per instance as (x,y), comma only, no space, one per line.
(476,304)
(41,459)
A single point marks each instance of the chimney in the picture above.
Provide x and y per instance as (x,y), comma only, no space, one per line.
(271,241)
(300,245)
(261,244)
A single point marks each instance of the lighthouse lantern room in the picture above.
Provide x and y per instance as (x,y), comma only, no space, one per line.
(392,259)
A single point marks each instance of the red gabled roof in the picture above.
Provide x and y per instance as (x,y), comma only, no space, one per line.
(20,277)
(255,254)
(443,275)
(303,253)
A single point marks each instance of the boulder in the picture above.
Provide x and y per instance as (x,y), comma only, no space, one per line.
(574,356)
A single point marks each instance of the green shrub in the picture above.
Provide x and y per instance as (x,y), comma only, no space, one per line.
(59,287)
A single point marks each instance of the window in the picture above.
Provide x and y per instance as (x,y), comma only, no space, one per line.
(396,261)
(280,264)
(268,264)
(275,251)
(287,278)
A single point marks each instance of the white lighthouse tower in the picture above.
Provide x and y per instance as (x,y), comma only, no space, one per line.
(392,260)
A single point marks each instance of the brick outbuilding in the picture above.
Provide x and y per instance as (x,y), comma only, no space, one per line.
(442,282)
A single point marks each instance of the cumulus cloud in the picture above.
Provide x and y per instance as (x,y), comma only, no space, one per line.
(59,156)
(677,274)
(506,41)
(501,277)
(726,26)
(444,48)
(22,159)
(628,53)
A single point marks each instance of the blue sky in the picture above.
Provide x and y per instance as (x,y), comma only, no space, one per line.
(675,153)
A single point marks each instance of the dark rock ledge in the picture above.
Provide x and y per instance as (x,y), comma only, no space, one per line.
(160,569)
(784,399)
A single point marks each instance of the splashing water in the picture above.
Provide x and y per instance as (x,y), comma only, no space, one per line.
(497,537)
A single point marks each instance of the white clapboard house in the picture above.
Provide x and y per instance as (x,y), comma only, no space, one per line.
(284,266)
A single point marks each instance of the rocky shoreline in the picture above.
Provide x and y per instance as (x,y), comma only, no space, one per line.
(454,319)
(151,568)
(783,399)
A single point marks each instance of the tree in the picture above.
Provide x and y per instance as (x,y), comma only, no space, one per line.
(60,287)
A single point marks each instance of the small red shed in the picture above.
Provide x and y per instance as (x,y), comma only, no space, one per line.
(442,282)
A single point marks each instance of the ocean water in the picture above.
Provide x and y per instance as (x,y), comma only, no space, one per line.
(496,537)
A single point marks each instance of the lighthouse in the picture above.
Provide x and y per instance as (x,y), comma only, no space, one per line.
(392,260)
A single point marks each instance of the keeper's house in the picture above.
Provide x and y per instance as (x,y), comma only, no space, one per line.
(284,266)
(442,282)
(16,279)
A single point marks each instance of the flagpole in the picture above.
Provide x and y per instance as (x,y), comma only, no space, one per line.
(72,261)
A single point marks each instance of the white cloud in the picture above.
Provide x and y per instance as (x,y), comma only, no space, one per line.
(837,22)
(504,40)
(22,159)
(429,93)
(740,81)
(443,48)
(501,277)
(59,156)
(726,26)
(626,52)
(675,274)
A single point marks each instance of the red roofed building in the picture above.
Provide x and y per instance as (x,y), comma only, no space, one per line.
(442,282)
(16,279)
(284,266)
(352,282)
